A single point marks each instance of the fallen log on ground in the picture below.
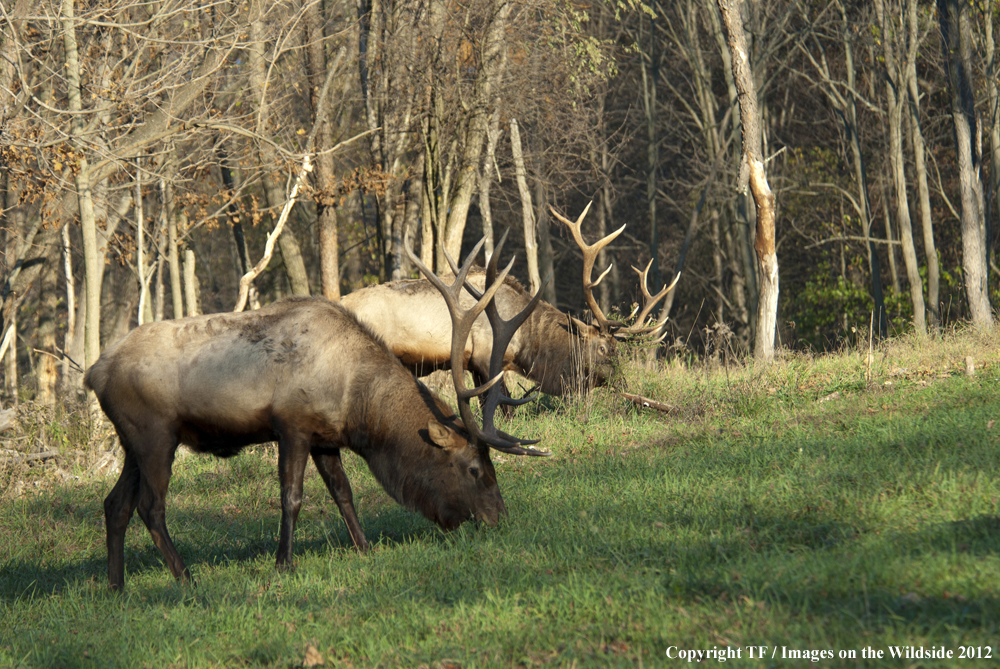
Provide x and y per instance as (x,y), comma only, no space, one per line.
(648,403)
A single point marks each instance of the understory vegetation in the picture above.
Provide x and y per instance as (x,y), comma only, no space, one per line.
(837,502)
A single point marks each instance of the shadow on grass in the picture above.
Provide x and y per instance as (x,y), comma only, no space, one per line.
(76,653)
(731,575)
(244,539)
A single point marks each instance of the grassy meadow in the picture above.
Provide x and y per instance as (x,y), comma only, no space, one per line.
(826,503)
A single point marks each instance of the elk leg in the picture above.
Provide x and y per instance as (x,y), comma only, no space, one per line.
(155,468)
(293,453)
(331,468)
(118,508)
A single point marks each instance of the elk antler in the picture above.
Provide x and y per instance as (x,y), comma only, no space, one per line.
(461,323)
(589,258)
(638,328)
(503,332)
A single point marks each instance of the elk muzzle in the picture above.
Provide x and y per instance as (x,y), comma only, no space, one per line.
(491,510)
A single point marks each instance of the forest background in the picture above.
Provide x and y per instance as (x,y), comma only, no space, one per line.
(148,148)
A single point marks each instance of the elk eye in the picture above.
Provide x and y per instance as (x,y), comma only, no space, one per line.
(602,349)
(474,471)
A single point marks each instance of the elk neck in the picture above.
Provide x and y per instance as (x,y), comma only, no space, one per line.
(546,352)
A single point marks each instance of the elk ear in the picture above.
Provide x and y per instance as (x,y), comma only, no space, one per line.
(440,435)
(574,327)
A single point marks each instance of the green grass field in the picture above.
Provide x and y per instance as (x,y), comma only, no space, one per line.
(829,503)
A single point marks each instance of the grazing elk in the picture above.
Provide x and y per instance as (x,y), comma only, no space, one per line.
(559,353)
(306,373)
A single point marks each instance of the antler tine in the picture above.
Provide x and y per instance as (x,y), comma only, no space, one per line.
(649,302)
(453,292)
(462,322)
(496,252)
(503,332)
(666,290)
(590,252)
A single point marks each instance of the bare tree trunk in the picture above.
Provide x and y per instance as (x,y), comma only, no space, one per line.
(752,173)
(427,219)
(920,167)
(47,372)
(993,95)
(93,271)
(957,44)
(10,378)
(9,38)
(486,214)
(486,179)
(173,253)
(742,260)
(890,240)
(606,293)
(738,280)
(874,266)
(111,223)
(545,266)
(720,295)
(291,254)
(329,253)
(303,172)
(493,68)
(9,332)
(242,252)
(326,202)
(190,284)
(140,245)
(414,193)
(70,306)
(145,269)
(160,300)
(527,210)
(650,76)
(895,91)
(387,46)
(124,299)
(741,219)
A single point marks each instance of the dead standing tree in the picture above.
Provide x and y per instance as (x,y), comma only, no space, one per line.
(752,174)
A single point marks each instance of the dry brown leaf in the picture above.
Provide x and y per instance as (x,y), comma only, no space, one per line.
(312,658)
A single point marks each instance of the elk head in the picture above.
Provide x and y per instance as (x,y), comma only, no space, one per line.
(481,439)
(450,481)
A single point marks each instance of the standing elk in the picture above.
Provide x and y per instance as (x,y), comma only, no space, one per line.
(559,353)
(306,373)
